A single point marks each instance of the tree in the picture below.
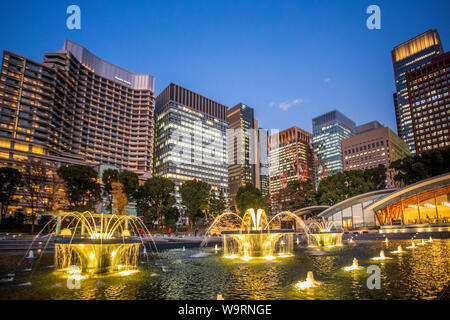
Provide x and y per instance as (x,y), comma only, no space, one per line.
(155,197)
(171,216)
(195,197)
(81,185)
(10,182)
(341,186)
(55,193)
(305,190)
(109,176)
(422,166)
(130,183)
(217,205)
(249,196)
(120,200)
(35,180)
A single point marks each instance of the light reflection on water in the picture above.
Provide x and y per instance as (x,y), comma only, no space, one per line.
(420,273)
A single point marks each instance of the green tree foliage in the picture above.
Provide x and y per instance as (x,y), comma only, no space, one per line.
(82,188)
(195,197)
(341,186)
(155,198)
(425,165)
(130,183)
(248,197)
(217,205)
(10,182)
(109,176)
(305,189)
(171,216)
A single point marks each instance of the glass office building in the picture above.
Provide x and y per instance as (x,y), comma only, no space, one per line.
(190,139)
(405,57)
(329,130)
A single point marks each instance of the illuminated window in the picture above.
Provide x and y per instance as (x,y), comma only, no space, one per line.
(21,146)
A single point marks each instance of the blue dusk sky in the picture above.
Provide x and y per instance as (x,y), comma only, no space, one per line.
(289,60)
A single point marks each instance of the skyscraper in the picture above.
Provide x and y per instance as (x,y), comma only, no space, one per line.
(428,91)
(406,56)
(290,158)
(329,130)
(74,108)
(242,148)
(263,150)
(190,139)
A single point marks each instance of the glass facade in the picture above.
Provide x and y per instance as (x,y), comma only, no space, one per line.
(427,207)
(328,132)
(407,56)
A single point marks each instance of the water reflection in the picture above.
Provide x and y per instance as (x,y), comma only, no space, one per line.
(415,274)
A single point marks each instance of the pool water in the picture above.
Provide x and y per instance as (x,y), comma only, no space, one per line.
(176,274)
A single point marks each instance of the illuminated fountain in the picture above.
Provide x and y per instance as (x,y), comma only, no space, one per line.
(381,257)
(96,243)
(354,266)
(399,250)
(251,236)
(324,234)
(308,283)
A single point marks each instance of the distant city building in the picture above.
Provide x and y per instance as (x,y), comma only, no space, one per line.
(74,108)
(290,158)
(375,145)
(263,141)
(405,57)
(428,91)
(329,130)
(243,164)
(190,139)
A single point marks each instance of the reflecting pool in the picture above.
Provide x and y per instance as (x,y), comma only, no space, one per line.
(419,273)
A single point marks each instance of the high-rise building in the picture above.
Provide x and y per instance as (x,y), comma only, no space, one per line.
(242,148)
(290,158)
(407,56)
(329,130)
(75,108)
(263,142)
(190,139)
(428,90)
(373,145)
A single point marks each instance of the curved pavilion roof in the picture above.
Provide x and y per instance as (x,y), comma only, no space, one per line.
(358,198)
(311,209)
(418,187)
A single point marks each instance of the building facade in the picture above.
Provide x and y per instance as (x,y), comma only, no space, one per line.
(290,159)
(263,142)
(406,56)
(374,145)
(191,139)
(429,99)
(75,108)
(329,130)
(242,146)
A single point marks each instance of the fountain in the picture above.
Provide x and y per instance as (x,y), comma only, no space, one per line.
(430,240)
(421,243)
(251,237)
(254,239)
(95,243)
(354,266)
(381,257)
(310,282)
(399,250)
(322,234)
(412,246)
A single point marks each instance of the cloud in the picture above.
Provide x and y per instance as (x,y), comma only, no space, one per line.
(284,106)
(327,80)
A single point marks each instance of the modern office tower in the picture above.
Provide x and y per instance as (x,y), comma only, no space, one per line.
(77,103)
(405,57)
(428,91)
(290,158)
(190,139)
(329,130)
(263,141)
(242,148)
(373,145)
(75,108)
